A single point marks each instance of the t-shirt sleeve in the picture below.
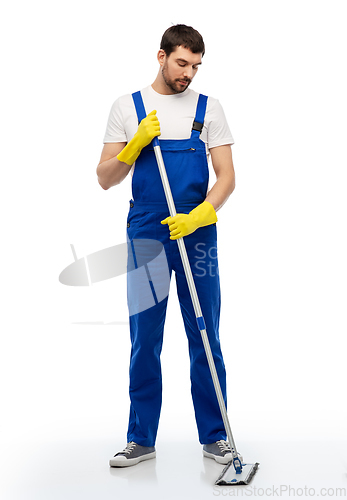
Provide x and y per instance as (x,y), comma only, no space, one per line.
(218,129)
(115,131)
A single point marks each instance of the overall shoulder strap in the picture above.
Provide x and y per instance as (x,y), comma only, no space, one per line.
(139,106)
(199,115)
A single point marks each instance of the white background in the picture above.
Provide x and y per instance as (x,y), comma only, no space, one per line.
(278,69)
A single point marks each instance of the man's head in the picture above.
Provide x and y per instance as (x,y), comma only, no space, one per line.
(180,54)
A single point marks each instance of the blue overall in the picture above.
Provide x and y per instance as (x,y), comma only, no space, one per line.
(187,170)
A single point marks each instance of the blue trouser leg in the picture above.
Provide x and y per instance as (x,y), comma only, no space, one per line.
(146,334)
(202,252)
(146,331)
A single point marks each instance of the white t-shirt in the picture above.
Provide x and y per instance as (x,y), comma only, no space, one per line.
(175,113)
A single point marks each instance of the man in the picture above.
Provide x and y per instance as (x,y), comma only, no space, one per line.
(191,127)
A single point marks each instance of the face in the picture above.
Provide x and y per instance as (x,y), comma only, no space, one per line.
(179,69)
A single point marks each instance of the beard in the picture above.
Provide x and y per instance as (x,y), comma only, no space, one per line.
(175,85)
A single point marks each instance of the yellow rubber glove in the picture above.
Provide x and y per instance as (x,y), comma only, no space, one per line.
(184,224)
(148,129)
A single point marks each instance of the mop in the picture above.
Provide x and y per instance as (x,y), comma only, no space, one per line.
(240,473)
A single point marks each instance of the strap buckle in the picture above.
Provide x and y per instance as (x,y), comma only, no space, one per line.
(197,126)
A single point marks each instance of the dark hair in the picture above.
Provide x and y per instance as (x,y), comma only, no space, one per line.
(180,34)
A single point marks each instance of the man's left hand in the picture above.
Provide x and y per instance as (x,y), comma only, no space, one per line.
(183,224)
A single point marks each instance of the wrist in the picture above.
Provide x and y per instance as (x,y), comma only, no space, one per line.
(137,143)
(204,214)
(131,151)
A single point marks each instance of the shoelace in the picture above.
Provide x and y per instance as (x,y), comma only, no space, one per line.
(129,448)
(224,446)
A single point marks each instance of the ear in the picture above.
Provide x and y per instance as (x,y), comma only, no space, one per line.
(161,57)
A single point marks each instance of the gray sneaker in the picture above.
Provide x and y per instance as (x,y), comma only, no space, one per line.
(132,454)
(220,451)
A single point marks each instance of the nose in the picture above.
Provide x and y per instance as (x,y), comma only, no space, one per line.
(188,72)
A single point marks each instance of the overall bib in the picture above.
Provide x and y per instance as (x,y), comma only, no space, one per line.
(187,170)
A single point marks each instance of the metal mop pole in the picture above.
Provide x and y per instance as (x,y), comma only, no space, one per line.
(197,308)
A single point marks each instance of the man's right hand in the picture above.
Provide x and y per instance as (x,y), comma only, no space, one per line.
(147,130)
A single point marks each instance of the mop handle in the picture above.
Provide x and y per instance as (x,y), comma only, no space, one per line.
(194,297)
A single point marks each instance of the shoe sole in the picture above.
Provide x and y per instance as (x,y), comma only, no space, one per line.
(220,460)
(131,461)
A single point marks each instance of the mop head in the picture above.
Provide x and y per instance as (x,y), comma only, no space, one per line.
(230,478)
